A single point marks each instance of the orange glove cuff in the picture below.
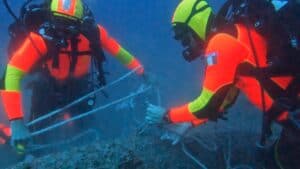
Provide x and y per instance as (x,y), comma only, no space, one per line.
(12,104)
(199,122)
(135,64)
(181,114)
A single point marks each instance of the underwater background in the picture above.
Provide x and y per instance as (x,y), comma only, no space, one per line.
(144,28)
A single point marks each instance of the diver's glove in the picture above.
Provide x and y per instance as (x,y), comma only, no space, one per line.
(19,135)
(175,132)
(155,114)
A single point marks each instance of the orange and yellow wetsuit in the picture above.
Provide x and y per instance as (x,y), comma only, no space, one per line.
(222,79)
(34,50)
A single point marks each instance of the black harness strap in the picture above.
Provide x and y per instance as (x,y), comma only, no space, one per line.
(284,99)
(74,53)
(53,53)
(288,96)
(97,52)
(294,88)
(79,53)
(55,50)
(266,121)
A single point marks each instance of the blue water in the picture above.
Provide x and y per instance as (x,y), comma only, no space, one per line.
(142,27)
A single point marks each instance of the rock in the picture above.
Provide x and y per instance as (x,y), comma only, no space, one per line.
(146,151)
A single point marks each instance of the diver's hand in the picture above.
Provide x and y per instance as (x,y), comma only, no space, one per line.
(19,135)
(140,70)
(155,114)
(175,132)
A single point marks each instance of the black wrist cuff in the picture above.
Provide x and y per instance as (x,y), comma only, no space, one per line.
(14,119)
(166,117)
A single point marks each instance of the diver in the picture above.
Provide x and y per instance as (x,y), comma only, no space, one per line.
(237,58)
(61,51)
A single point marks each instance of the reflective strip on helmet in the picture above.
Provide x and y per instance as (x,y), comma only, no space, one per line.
(72,9)
(66,7)
(67,4)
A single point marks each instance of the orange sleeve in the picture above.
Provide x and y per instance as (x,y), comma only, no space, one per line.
(122,55)
(199,122)
(21,62)
(12,103)
(108,43)
(229,53)
(135,64)
(181,114)
(29,53)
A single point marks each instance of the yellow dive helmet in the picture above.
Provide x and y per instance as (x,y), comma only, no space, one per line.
(70,9)
(196,14)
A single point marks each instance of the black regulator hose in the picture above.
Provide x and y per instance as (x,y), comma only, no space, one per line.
(10,11)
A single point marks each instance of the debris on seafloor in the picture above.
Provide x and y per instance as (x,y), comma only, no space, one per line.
(129,160)
(137,152)
(144,151)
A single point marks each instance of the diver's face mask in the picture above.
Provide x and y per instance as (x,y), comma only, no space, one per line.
(190,41)
(66,27)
